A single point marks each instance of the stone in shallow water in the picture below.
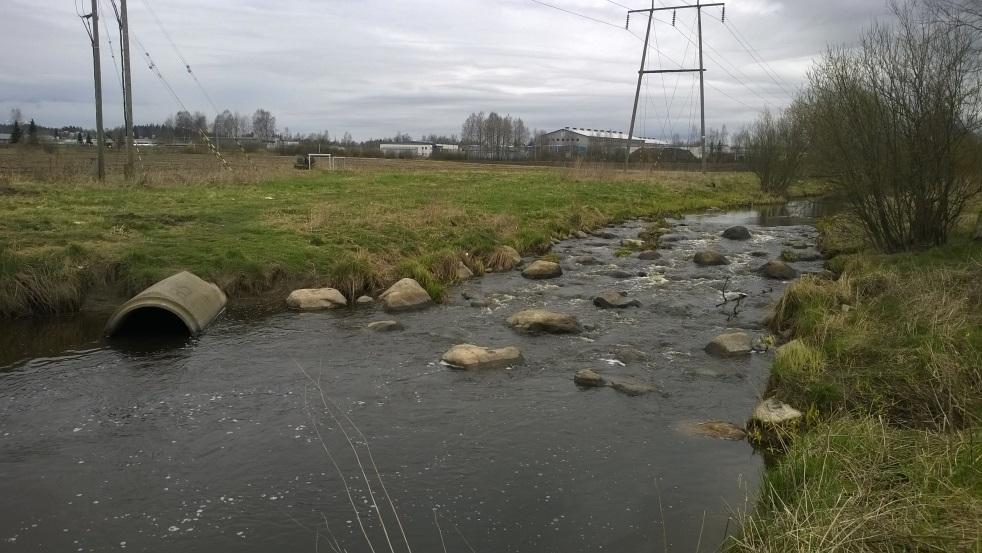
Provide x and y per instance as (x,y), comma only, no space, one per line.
(649,255)
(774,411)
(542,269)
(719,429)
(631,387)
(311,299)
(363,300)
(738,232)
(778,270)
(585,260)
(588,378)
(405,295)
(730,344)
(384,326)
(709,257)
(469,356)
(540,320)
(614,300)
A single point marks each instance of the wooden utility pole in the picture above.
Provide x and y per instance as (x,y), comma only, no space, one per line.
(124,29)
(701,70)
(97,73)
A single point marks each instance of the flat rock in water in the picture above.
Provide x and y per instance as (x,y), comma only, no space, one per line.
(730,344)
(580,234)
(709,257)
(604,234)
(540,320)
(481,303)
(774,411)
(312,299)
(738,232)
(363,300)
(614,300)
(667,238)
(405,295)
(585,260)
(619,273)
(631,387)
(648,255)
(719,429)
(778,270)
(759,254)
(588,378)
(469,356)
(542,269)
(384,326)
(632,243)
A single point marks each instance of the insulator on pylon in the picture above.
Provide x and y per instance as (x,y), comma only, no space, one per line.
(674,13)
(627,22)
(723,19)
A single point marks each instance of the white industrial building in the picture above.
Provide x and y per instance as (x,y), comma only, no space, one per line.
(579,140)
(407,149)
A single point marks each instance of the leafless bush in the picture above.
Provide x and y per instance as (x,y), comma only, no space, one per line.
(896,120)
(775,147)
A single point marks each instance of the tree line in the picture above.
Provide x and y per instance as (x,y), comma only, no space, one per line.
(494,133)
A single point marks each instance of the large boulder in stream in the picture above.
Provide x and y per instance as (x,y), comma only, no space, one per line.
(312,299)
(471,357)
(614,300)
(738,232)
(778,270)
(405,295)
(709,257)
(539,320)
(542,269)
(730,344)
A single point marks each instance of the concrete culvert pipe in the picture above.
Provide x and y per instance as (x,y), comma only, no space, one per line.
(184,296)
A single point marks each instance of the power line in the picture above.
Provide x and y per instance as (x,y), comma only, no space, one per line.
(757,58)
(577,14)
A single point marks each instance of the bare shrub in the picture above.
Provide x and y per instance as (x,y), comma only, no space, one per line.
(775,148)
(895,121)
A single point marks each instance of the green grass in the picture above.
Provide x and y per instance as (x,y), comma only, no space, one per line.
(355,231)
(886,360)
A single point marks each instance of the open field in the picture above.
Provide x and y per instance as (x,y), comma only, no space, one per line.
(354,230)
(887,363)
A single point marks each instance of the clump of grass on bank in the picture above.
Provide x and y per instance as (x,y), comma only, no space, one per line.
(857,484)
(357,231)
(886,360)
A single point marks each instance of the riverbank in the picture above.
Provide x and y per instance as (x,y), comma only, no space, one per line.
(355,231)
(886,361)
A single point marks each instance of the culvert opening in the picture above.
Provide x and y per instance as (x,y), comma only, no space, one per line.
(151,322)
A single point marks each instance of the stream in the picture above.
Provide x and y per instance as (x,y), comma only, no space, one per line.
(210,444)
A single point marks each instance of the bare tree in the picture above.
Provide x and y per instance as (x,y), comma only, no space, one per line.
(263,124)
(775,148)
(896,121)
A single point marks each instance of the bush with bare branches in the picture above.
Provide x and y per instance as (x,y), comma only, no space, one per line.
(775,148)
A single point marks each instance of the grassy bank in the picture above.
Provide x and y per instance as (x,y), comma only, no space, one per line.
(887,362)
(357,231)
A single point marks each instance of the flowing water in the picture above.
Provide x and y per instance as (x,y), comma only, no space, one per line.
(210,445)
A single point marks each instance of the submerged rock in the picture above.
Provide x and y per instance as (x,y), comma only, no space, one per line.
(730,344)
(405,295)
(614,300)
(542,269)
(620,273)
(631,387)
(588,378)
(720,429)
(469,356)
(585,260)
(738,232)
(778,270)
(312,299)
(384,326)
(668,238)
(604,234)
(773,411)
(709,257)
(648,255)
(540,320)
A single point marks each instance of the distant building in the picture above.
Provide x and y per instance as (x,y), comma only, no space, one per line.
(5,138)
(407,149)
(579,141)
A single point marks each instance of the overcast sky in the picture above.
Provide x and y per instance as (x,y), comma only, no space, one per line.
(374,67)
